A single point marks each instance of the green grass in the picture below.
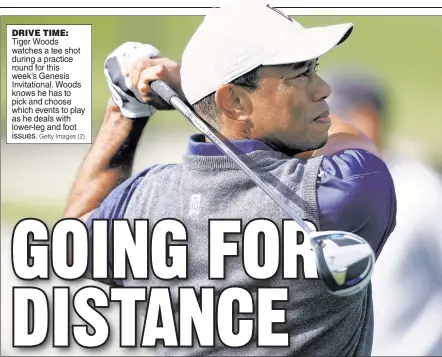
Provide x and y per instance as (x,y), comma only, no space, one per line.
(49,213)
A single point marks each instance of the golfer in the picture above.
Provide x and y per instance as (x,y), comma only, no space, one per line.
(250,72)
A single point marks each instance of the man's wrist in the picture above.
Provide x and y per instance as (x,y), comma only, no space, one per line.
(125,154)
(117,139)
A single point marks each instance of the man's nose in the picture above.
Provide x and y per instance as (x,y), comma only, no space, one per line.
(322,90)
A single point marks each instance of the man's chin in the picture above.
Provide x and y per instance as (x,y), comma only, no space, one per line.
(295,150)
(321,145)
(306,154)
(312,147)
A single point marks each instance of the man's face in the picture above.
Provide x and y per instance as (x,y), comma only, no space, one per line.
(289,108)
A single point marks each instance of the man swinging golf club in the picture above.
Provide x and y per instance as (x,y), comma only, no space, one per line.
(253,79)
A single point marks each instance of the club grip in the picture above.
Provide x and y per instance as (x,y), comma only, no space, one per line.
(163,90)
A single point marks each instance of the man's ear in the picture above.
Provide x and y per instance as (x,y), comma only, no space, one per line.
(233,102)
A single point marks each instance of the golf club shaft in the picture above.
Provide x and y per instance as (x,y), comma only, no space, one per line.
(172,98)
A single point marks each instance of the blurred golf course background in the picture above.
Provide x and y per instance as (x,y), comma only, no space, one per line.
(404,50)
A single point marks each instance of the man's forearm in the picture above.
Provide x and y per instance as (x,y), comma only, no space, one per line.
(342,136)
(108,163)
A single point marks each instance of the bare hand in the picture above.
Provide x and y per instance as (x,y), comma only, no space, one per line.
(142,71)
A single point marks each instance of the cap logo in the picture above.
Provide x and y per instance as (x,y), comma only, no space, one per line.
(280,12)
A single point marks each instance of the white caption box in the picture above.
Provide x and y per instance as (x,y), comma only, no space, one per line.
(49,77)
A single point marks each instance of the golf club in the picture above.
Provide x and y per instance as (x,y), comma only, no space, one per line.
(344,260)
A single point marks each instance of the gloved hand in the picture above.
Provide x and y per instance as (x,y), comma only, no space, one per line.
(124,94)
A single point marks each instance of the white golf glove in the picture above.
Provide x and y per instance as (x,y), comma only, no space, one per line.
(127,97)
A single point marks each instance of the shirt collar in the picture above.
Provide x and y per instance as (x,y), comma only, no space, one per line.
(198,146)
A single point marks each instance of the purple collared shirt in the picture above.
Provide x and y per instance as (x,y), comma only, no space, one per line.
(355,191)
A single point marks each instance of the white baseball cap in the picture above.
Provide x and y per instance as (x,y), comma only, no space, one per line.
(243,35)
